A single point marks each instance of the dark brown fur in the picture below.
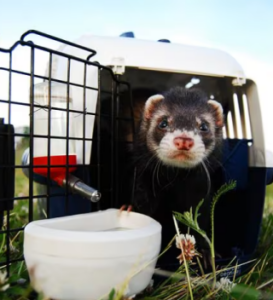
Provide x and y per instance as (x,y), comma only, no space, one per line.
(159,189)
(154,188)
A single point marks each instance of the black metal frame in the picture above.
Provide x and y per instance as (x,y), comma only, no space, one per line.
(114,93)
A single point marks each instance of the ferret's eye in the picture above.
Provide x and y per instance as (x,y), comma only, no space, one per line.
(163,124)
(204,127)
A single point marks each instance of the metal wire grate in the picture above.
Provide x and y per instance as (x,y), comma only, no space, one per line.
(90,164)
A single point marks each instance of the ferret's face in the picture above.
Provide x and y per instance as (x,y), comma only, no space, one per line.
(182,127)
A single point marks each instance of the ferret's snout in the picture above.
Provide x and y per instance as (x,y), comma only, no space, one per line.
(183,143)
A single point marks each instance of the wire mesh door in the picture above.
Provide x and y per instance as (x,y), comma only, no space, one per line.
(51,166)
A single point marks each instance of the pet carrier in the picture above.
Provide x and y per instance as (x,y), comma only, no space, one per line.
(64,157)
(160,65)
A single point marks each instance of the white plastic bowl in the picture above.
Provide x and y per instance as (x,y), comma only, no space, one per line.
(84,256)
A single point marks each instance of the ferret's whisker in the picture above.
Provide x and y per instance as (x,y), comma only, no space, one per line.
(153,157)
(208,178)
(153,180)
(158,170)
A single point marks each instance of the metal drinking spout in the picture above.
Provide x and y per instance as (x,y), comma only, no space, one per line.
(77,186)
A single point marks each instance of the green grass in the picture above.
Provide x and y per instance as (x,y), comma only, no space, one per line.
(18,218)
(256,284)
(269,200)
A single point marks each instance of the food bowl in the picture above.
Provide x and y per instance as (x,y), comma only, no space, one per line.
(85,256)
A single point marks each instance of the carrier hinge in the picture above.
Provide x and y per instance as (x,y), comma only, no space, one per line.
(118,65)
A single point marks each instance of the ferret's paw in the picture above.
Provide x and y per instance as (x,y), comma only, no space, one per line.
(123,207)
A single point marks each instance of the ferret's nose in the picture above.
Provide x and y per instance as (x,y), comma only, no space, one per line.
(183,143)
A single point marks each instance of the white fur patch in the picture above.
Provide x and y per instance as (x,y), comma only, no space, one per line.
(198,120)
(153,98)
(216,104)
(149,104)
(219,111)
(167,151)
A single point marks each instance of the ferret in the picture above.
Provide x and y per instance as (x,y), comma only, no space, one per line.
(180,128)
(176,158)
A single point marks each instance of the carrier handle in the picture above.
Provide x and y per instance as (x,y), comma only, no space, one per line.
(48,36)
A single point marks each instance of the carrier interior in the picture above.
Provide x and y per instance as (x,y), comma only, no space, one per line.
(236,233)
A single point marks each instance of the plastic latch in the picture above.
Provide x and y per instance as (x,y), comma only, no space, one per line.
(239,81)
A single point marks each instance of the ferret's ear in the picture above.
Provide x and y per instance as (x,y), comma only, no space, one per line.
(218,111)
(150,105)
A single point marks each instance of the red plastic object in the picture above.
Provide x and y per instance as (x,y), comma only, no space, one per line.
(56,173)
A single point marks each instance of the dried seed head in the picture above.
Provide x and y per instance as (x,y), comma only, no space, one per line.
(188,247)
(225,284)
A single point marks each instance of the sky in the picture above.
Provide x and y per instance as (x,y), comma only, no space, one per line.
(242,28)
